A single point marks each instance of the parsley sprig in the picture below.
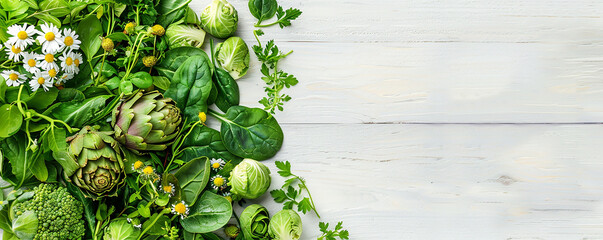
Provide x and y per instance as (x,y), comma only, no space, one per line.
(291,193)
(284,17)
(332,234)
(275,79)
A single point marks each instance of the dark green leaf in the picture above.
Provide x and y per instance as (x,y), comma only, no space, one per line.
(205,141)
(193,177)
(209,213)
(278,195)
(77,114)
(228,90)
(263,9)
(90,30)
(158,223)
(175,57)
(191,86)
(171,11)
(141,80)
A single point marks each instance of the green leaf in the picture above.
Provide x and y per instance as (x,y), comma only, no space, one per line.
(228,90)
(251,133)
(90,30)
(57,8)
(118,36)
(38,167)
(278,195)
(26,225)
(144,211)
(193,177)
(77,114)
(175,57)
(210,213)
(14,149)
(162,83)
(141,79)
(205,141)
(5,223)
(3,88)
(42,99)
(284,168)
(170,11)
(191,86)
(158,223)
(263,9)
(121,230)
(11,120)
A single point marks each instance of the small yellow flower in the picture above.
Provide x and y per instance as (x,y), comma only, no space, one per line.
(137,165)
(218,182)
(228,197)
(180,209)
(202,117)
(216,164)
(148,170)
(169,189)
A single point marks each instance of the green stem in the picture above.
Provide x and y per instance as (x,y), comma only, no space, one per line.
(177,150)
(303,183)
(265,25)
(151,225)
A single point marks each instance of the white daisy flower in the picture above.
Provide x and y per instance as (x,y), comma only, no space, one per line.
(52,73)
(40,79)
(77,60)
(218,182)
(14,52)
(216,164)
(21,35)
(180,209)
(47,61)
(50,38)
(64,78)
(13,78)
(67,64)
(29,62)
(169,189)
(70,40)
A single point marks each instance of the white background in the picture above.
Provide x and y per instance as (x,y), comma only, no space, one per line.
(452,119)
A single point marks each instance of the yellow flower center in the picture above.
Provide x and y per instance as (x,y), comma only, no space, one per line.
(49,36)
(31,62)
(216,165)
(167,189)
(229,198)
(180,208)
(13,76)
(77,62)
(41,80)
(68,41)
(52,72)
(22,35)
(148,170)
(16,50)
(219,181)
(202,117)
(49,58)
(69,61)
(137,164)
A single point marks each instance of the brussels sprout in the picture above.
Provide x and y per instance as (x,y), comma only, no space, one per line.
(254,222)
(220,19)
(233,56)
(250,179)
(180,35)
(285,225)
(122,230)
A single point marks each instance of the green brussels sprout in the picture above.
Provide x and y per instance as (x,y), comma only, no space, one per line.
(180,35)
(250,179)
(233,56)
(220,19)
(285,225)
(254,222)
(122,230)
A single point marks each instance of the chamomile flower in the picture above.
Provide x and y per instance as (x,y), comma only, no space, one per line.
(30,63)
(216,164)
(21,35)
(67,64)
(52,73)
(137,166)
(50,38)
(218,182)
(64,78)
(40,79)
(47,61)
(14,52)
(70,40)
(228,196)
(77,59)
(169,189)
(13,78)
(180,209)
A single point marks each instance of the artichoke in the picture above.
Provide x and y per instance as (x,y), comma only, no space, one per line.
(146,122)
(100,166)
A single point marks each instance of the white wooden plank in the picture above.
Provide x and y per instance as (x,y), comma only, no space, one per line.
(450,181)
(438,61)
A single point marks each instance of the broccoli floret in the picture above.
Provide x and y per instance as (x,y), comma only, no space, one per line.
(59,213)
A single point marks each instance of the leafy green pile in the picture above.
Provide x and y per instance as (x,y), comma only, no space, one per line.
(112,143)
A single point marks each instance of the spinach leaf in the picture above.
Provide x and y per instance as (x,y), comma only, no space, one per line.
(210,213)
(171,11)
(175,57)
(77,114)
(228,90)
(19,160)
(42,99)
(263,9)
(11,120)
(250,132)
(191,86)
(205,141)
(193,177)
(90,30)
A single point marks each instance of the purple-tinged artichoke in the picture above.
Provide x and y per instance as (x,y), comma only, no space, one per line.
(146,122)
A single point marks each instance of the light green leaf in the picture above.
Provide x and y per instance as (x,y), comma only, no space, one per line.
(26,225)
(90,30)
(76,114)
(193,177)
(11,120)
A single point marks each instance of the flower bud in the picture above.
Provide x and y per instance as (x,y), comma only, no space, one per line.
(149,61)
(232,231)
(158,30)
(107,44)
(129,29)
